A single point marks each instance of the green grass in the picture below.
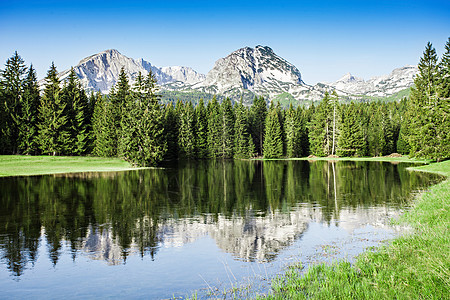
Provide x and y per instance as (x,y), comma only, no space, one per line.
(414,266)
(20,165)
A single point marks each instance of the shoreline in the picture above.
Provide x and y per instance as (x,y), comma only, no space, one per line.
(412,266)
(27,165)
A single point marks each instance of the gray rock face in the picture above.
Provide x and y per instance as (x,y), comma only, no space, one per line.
(246,71)
(100,72)
(259,70)
(183,74)
(380,86)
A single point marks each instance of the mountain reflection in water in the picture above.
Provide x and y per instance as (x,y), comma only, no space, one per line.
(252,209)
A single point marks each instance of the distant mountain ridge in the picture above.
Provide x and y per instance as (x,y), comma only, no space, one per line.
(100,72)
(245,72)
(380,86)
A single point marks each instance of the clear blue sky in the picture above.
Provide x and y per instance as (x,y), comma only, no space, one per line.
(324,39)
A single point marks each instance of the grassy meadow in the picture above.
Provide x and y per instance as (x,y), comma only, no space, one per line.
(414,266)
(23,165)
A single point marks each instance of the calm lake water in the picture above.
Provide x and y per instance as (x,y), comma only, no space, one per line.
(203,225)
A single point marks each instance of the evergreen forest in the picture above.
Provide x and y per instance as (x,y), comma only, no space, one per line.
(132,123)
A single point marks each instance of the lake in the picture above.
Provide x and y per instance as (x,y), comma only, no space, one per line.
(192,227)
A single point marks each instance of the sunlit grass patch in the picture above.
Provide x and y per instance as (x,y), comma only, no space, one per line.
(22,165)
(414,266)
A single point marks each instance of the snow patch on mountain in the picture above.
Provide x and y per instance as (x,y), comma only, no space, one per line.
(379,86)
(258,70)
(100,72)
(244,72)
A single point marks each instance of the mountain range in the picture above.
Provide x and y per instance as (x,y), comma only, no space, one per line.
(245,73)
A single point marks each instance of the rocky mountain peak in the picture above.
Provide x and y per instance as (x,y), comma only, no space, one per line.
(379,86)
(100,72)
(349,78)
(245,72)
(183,74)
(255,69)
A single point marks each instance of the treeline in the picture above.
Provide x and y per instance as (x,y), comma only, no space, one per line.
(132,123)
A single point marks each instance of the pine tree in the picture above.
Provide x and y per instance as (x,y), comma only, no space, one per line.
(320,129)
(215,123)
(403,146)
(376,140)
(351,139)
(171,131)
(388,131)
(12,79)
(428,112)
(242,148)
(28,116)
(154,145)
(293,132)
(3,124)
(227,137)
(258,113)
(306,116)
(402,143)
(201,130)
(130,117)
(422,96)
(53,138)
(443,106)
(142,124)
(273,140)
(395,110)
(76,103)
(119,95)
(444,70)
(186,137)
(89,113)
(103,128)
(281,119)
(334,103)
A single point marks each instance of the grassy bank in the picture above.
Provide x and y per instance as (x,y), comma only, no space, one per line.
(378,158)
(414,266)
(21,165)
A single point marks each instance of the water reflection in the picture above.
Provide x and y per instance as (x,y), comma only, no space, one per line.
(251,209)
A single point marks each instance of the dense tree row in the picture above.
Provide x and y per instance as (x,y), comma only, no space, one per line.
(132,123)
(425,131)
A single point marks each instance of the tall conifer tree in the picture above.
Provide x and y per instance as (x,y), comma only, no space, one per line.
(53,138)
(293,132)
(12,79)
(351,140)
(243,144)
(227,138)
(171,131)
(28,117)
(215,124)
(201,122)
(273,140)
(320,128)
(375,132)
(427,121)
(444,70)
(258,113)
(76,103)
(103,128)
(186,138)
(142,124)
(120,95)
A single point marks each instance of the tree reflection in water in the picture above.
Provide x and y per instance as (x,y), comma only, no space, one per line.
(252,209)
